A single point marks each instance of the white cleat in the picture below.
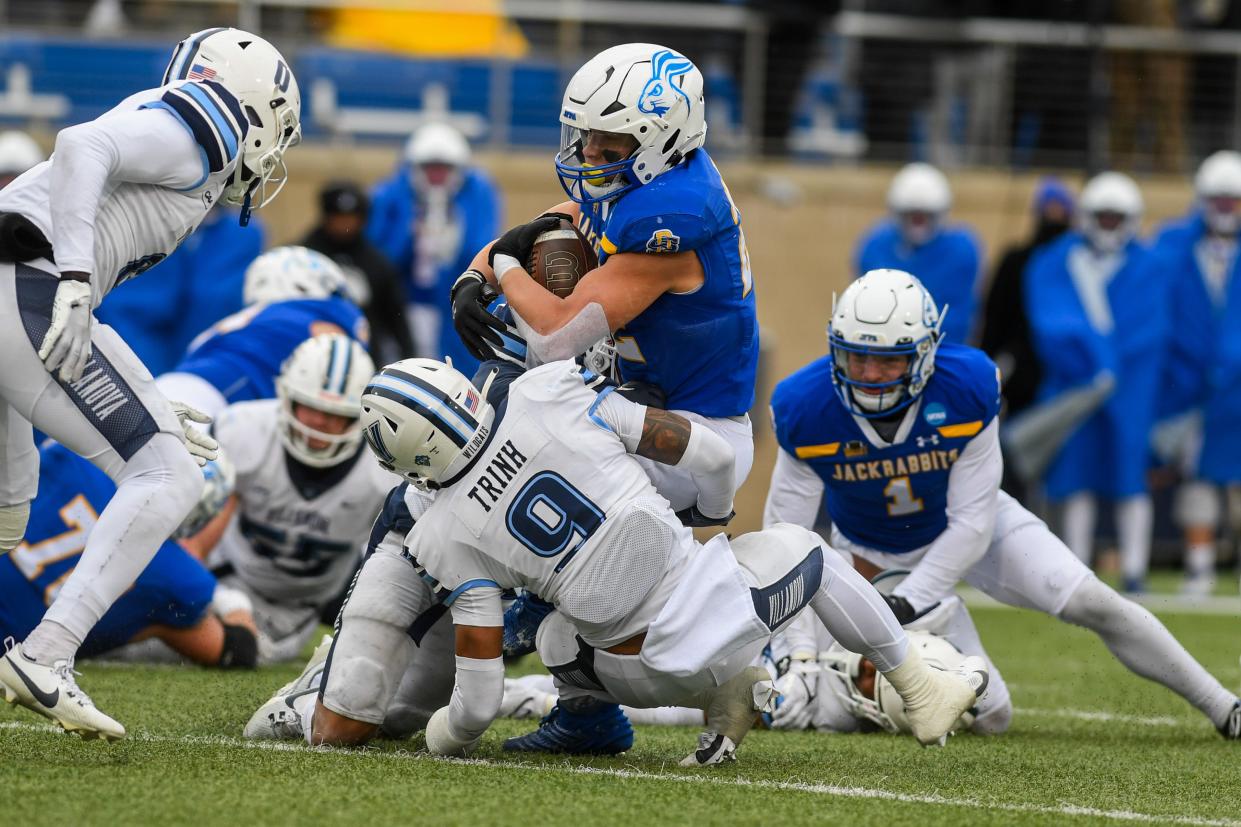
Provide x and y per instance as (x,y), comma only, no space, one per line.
(276,719)
(731,710)
(941,702)
(52,692)
(525,699)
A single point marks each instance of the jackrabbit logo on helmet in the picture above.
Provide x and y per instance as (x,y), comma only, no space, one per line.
(660,92)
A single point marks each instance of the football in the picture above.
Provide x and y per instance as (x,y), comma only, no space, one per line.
(560,258)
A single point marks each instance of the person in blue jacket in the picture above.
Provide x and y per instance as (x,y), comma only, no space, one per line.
(916,237)
(291,294)
(1097,305)
(1203,369)
(199,284)
(175,599)
(429,218)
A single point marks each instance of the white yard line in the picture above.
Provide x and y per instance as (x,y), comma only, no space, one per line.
(1109,717)
(702,777)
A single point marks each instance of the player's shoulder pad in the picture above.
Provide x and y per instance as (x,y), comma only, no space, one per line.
(971,381)
(801,405)
(668,215)
(213,116)
(242,426)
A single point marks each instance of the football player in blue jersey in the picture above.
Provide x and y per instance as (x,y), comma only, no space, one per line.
(174,600)
(1199,252)
(917,238)
(291,295)
(899,433)
(674,289)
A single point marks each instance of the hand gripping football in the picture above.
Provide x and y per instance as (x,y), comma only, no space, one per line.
(560,258)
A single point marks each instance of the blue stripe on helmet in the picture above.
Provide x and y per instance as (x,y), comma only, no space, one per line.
(419,407)
(186,52)
(460,420)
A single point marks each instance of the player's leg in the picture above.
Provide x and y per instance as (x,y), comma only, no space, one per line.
(1078,517)
(1028,566)
(19,476)
(1197,509)
(113,416)
(1135,520)
(857,616)
(426,685)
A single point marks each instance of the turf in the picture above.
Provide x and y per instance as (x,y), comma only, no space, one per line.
(1089,743)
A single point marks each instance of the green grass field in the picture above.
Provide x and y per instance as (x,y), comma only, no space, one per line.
(1089,743)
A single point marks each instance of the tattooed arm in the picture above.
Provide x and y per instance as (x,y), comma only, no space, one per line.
(671,439)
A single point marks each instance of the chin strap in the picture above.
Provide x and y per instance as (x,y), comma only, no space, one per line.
(244,220)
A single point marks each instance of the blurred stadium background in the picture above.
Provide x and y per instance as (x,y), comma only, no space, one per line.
(811,106)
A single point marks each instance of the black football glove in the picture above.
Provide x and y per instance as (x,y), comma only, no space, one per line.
(519,241)
(644,393)
(479,330)
(901,608)
(693,518)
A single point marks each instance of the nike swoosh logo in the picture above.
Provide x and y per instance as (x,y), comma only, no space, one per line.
(290,698)
(48,699)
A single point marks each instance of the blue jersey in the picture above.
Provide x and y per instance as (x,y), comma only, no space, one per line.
(241,355)
(173,590)
(948,266)
(700,347)
(1203,368)
(892,499)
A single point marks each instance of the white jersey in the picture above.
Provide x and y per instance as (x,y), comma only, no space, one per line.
(554,503)
(286,542)
(122,191)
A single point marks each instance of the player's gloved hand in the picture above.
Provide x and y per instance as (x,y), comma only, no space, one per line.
(644,393)
(518,241)
(798,687)
(900,607)
(199,443)
(440,737)
(479,330)
(693,518)
(66,345)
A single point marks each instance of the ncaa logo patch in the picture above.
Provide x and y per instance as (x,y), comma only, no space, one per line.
(663,241)
(935,414)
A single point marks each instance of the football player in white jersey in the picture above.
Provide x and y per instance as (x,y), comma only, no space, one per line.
(119,194)
(542,492)
(305,495)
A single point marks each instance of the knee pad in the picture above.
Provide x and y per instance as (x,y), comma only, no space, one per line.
(1092,605)
(556,641)
(1196,504)
(241,648)
(362,676)
(13,519)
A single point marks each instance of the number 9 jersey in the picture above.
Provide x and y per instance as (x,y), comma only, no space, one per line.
(891,497)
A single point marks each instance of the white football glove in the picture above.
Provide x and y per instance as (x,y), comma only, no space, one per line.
(798,687)
(440,739)
(200,444)
(66,345)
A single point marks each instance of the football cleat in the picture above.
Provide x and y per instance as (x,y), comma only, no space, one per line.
(521,624)
(598,729)
(732,709)
(713,748)
(1231,728)
(523,699)
(934,712)
(52,692)
(277,720)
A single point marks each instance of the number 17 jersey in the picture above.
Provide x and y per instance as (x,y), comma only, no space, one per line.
(888,497)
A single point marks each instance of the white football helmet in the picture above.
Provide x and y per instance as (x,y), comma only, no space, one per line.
(259,77)
(437,143)
(327,373)
(638,89)
(884,313)
(919,198)
(425,421)
(287,273)
(1218,189)
(886,709)
(18,153)
(1110,211)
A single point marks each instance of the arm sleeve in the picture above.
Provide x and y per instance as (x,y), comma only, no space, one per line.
(794,494)
(708,457)
(476,696)
(973,492)
(146,146)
